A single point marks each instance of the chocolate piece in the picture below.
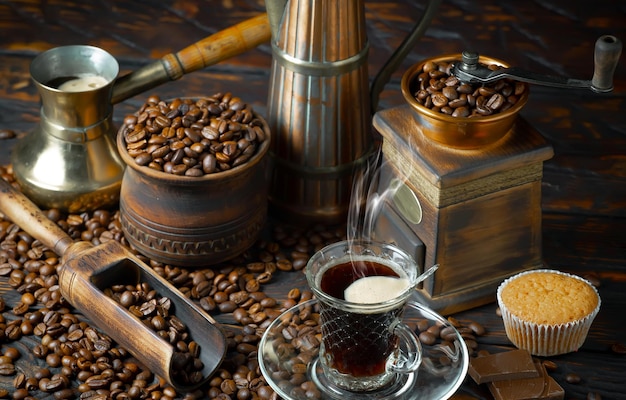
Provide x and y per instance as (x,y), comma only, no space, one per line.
(543,387)
(554,391)
(514,364)
(519,389)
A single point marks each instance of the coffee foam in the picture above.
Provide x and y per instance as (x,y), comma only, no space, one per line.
(402,280)
(375,289)
(83,83)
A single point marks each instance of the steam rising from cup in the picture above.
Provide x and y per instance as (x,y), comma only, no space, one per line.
(367,198)
(366,204)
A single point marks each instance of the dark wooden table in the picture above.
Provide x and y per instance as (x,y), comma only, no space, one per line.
(584,184)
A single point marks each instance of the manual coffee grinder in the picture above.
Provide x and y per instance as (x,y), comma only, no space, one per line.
(466,192)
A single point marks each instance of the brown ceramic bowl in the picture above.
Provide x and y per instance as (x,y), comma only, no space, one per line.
(194,221)
(459,132)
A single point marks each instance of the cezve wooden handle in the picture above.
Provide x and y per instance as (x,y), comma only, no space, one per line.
(23,212)
(220,46)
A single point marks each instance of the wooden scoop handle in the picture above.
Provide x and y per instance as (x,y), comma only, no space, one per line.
(23,212)
(220,46)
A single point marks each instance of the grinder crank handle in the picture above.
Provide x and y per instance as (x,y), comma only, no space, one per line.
(220,46)
(606,56)
(23,212)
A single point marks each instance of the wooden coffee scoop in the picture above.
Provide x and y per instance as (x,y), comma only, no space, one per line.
(87,269)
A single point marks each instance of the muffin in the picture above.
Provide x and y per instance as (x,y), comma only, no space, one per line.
(547,312)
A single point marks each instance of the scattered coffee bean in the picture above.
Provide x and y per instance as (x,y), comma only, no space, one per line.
(7,134)
(477,328)
(427,338)
(7,369)
(12,353)
(618,348)
(573,378)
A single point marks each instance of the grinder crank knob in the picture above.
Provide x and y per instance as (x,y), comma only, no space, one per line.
(608,49)
(607,52)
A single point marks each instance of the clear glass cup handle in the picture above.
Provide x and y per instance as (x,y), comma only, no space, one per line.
(409,350)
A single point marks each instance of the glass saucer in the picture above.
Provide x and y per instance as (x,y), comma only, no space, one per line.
(290,363)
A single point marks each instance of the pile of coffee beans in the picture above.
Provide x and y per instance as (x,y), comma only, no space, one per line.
(437,89)
(73,360)
(193,137)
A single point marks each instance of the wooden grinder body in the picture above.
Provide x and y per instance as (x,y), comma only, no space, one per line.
(475,212)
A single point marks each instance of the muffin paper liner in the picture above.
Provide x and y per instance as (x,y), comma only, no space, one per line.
(544,339)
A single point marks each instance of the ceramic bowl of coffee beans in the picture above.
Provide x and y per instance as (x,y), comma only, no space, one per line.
(194,192)
(458,114)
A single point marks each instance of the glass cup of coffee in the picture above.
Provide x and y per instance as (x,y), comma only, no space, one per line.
(362,288)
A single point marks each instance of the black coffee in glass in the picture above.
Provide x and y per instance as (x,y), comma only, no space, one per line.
(356,342)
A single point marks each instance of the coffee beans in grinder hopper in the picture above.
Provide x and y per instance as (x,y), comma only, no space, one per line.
(193,137)
(437,89)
